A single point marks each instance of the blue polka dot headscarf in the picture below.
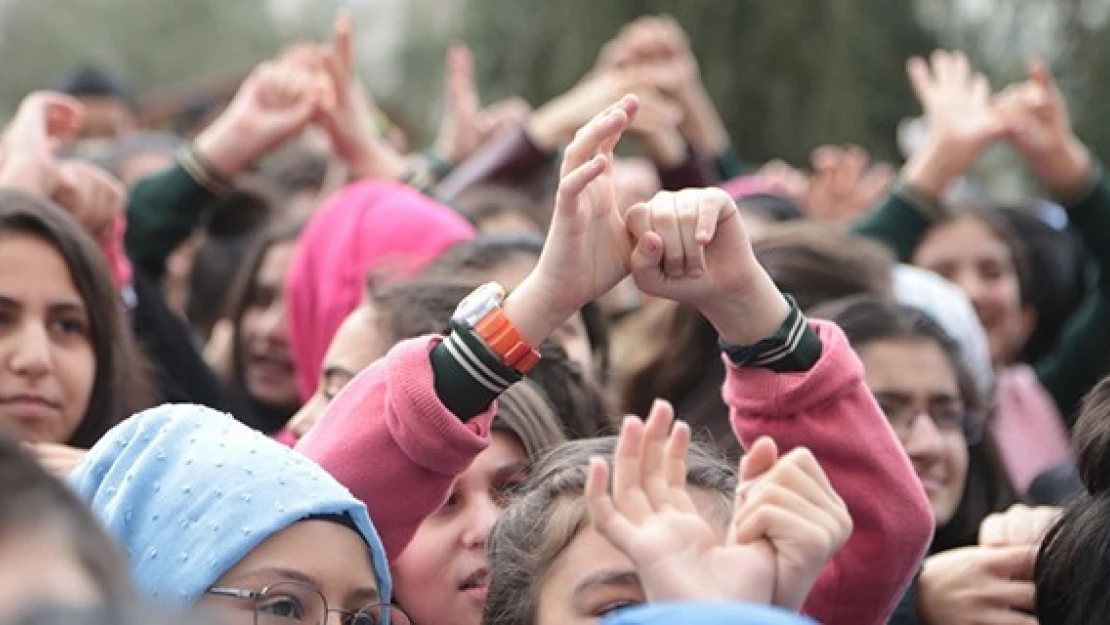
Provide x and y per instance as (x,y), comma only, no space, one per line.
(705,614)
(188,492)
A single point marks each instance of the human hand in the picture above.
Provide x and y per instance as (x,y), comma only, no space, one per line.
(1019,526)
(1035,118)
(977,586)
(551,124)
(843,188)
(650,516)
(27,148)
(588,246)
(789,502)
(958,112)
(350,117)
(59,460)
(464,126)
(93,196)
(275,103)
(691,247)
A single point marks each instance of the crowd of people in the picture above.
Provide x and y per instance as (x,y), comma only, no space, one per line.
(279,368)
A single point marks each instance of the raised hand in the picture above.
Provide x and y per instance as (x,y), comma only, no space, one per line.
(588,245)
(789,503)
(691,247)
(1034,116)
(977,585)
(274,104)
(958,112)
(92,195)
(27,148)
(349,118)
(843,187)
(650,516)
(1018,526)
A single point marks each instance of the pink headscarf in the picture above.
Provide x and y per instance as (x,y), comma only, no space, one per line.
(363,227)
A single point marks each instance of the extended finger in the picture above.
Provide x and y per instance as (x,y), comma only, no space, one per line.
(921,79)
(588,140)
(652,453)
(604,515)
(575,182)
(853,163)
(674,465)
(628,490)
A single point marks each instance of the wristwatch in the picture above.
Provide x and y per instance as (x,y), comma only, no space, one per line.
(481,313)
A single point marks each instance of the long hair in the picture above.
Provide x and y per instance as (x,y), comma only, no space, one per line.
(867,320)
(121,385)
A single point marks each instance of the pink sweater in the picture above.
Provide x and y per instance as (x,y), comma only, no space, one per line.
(388,438)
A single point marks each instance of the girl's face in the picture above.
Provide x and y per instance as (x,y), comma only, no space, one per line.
(40,565)
(914,379)
(300,563)
(591,578)
(263,340)
(443,575)
(968,253)
(358,342)
(46,351)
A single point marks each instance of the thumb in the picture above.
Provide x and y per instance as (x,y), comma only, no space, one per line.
(647,257)
(1039,74)
(760,458)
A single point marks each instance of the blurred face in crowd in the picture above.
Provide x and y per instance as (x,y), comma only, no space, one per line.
(264,342)
(299,564)
(106,117)
(443,575)
(967,252)
(39,564)
(914,382)
(358,342)
(46,347)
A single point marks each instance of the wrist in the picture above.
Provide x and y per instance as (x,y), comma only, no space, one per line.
(929,172)
(535,310)
(749,315)
(1066,171)
(222,145)
(370,160)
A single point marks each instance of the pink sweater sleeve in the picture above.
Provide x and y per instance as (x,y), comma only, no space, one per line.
(389,439)
(829,410)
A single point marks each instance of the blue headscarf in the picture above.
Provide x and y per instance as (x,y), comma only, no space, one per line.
(188,492)
(705,614)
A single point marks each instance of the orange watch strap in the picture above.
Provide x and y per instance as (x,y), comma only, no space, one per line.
(506,341)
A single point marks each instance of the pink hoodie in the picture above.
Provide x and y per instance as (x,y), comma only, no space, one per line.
(389,439)
(365,226)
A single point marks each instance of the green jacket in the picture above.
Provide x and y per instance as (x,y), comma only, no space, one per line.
(162,211)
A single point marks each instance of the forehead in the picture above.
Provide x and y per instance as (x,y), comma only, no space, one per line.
(274,263)
(965,238)
(30,263)
(358,341)
(504,451)
(908,365)
(588,553)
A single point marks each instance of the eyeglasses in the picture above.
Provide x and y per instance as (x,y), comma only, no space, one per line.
(947,419)
(298,603)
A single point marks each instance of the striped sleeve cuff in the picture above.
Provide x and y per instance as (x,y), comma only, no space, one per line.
(793,348)
(468,376)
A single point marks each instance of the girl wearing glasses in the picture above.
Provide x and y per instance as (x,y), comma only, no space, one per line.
(216,515)
(928,394)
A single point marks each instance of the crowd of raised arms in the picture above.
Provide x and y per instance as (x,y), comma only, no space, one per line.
(284,370)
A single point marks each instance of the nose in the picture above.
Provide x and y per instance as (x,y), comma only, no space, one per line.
(924,443)
(483,514)
(30,351)
(271,325)
(971,284)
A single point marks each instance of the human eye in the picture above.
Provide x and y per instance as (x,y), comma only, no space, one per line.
(283,606)
(610,607)
(70,325)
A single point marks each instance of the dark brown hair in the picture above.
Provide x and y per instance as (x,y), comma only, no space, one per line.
(549,512)
(1073,565)
(489,201)
(121,385)
(866,320)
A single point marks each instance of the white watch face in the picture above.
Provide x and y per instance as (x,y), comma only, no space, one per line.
(479,304)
